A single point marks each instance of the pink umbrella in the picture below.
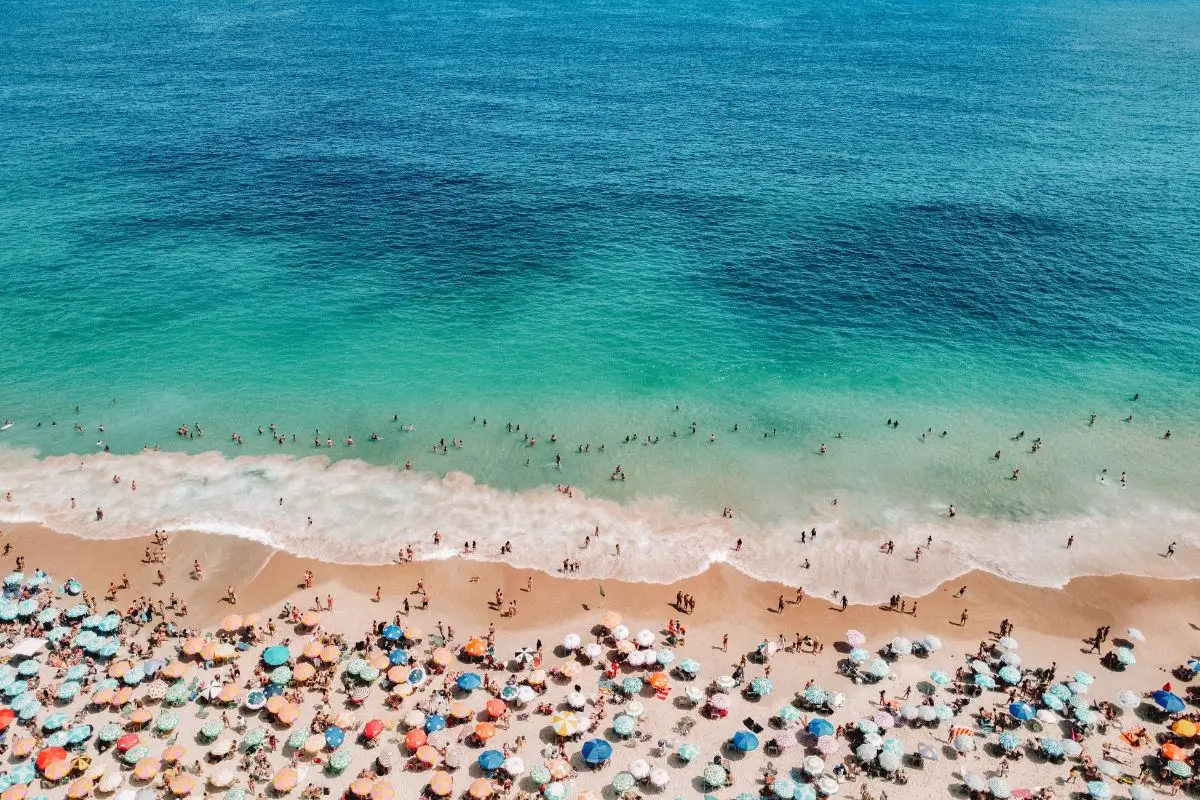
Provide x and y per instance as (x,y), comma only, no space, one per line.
(719,701)
(884,720)
(828,745)
(855,638)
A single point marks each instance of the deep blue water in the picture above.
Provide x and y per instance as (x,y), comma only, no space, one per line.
(800,217)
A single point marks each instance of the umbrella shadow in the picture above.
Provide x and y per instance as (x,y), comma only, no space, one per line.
(949,753)
(842,647)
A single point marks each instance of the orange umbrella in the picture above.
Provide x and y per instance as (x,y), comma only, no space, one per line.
(231,623)
(24,747)
(118,669)
(313,649)
(285,780)
(398,674)
(330,654)
(383,791)
(122,696)
(481,788)
(208,651)
(610,620)
(345,720)
(413,633)
(288,714)
(414,738)
(441,784)
(141,716)
(379,661)
(173,753)
(250,620)
(310,619)
(427,754)
(192,646)
(275,704)
(485,731)
(229,693)
(303,672)
(659,680)
(460,710)
(559,769)
(441,656)
(49,756)
(174,670)
(103,697)
(16,792)
(183,784)
(496,708)
(1184,727)
(80,787)
(146,768)
(57,770)
(360,788)
(475,647)
(1173,752)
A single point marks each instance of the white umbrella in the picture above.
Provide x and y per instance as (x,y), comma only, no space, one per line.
(1011,658)
(221,748)
(620,632)
(636,659)
(835,699)
(634,708)
(932,643)
(1008,643)
(525,694)
(1135,635)
(571,641)
(659,777)
(639,768)
(726,683)
(644,638)
(901,645)
(828,785)
(592,650)
(576,700)
(513,765)
(223,778)
(415,719)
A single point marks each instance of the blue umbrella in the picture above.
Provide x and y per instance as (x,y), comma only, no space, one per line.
(596,751)
(631,685)
(79,734)
(28,669)
(469,681)
(416,676)
(398,656)
(1022,711)
(1194,664)
(491,759)
(820,727)
(1171,703)
(276,656)
(744,741)
(334,736)
(393,633)
(1052,702)
(435,722)
(272,689)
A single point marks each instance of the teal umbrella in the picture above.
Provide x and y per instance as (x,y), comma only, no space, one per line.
(77,672)
(713,775)
(555,791)
(789,713)
(236,793)
(892,745)
(1052,702)
(622,782)
(134,676)
(297,738)
(340,760)
(1009,740)
(8,612)
(355,666)
(55,721)
(23,774)
(1085,678)
(624,725)
(368,674)
(57,739)
(689,666)
(879,668)
(688,752)
(540,774)
(1060,691)
(784,788)
(867,726)
(815,695)
(167,721)
(212,728)
(762,686)
(940,678)
(79,734)
(177,695)
(1010,675)
(68,689)
(27,669)
(254,737)
(47,615)
(27,608)
(1125,656)
(984,681)
(276,656)
(109,732)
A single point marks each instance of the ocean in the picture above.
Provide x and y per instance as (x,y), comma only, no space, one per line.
(604,222)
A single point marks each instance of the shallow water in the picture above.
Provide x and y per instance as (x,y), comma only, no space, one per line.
(801,219)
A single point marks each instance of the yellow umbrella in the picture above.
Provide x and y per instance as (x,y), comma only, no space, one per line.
(17,792)
(103,697)
(80,763)
(559,769)
(229,693)
(314,744)
(626,647)
(310,619)
(383,791)
(80,787)
(398,674)
(303,672)
(379,661)
(570,668)
(285,780)
(192,646)
(313,649)
(173,753)
(288,714)
(413,633)
(1184,727)
(441,656)
(565,723)
(330,654)
(183,784)
(57,770)
(146,769)
(118,669)
(24,747)
(275,704)
(402,689)
(441,784)
(460,711)
(232,623)
(610,620)
(141,716)
(122,696)
(345,720)
(360,788)
(427,754)
(538,676)
(250,620)
(481,788)
(208,651)
(174,670)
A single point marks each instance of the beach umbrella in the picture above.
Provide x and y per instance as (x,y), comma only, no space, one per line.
(136,754)
(334,737)
(644,638)
(1010,674)
(879,668)
(27,669)
(963,743)
(393,633)
(1007,643)
(434,722)
(1053,702)
(1022,711)
(1110,768)
(999,787)
(828,786)
(909,711)
(789,713)
(890,762)
(981,667)
(1180,769)
(624,725)
(855,638)
(490,759)
(176,695)
(79,734)
(1086,678)
(441,784)
(931,642)
(815,695)
(340,760)
(974,781)
(276,656)
(639,768)
(713,775)
(212,728)
(540,775)
(566,723)
(285,780)
(297,739)
(1099,790)
(469,681)
(665,657)
(762,686)
(634,709)
(804,791)
(984,681)
(784,787)
(1071,747)
(813,765)
(867,726)
(901,645)
(167,721)
(659,777)
(1125,656)
(859,655)
(1012,659)
(631,685)
(1171,703)
(557,790)
(892,745)
(689,666)
(1060,691)
(68,689)
(725,683)
(828,745)
(591,651)
(1184,727)
(1077,688)
(1139,792)
(687,752)
(744,741)
(820,727)
(25,773)
(1173,752)
(1128,700)
(866,752)
(1009,740)
(939,678)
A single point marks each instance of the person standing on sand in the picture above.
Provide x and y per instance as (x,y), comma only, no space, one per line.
(779,606)
(962,619)
(329,602)
(725,643)
(1070,542)
(845,602)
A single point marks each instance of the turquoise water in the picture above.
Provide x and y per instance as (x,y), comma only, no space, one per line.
(799,218)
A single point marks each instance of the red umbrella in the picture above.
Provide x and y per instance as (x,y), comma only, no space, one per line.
(7,715)
(373,729)
(49,756)
(128,742)
(414,738)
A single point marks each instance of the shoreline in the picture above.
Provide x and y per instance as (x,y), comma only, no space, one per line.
(389,510)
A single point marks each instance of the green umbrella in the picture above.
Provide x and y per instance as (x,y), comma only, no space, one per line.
(624,725)
(539,774)
(177,695)
(236,793)
(623,782)
(368,674)
(789,713)
(555,791)
(167,721)
(297,739)
(688,751)
(281,676)
(136,753)
(762,686)
(355,666)
(212,729)
(714,775)
(340,760)
(109,732)
(255,737)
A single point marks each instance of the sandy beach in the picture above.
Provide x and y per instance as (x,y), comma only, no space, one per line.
(1051,626)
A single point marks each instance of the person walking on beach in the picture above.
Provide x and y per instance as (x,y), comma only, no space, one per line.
(779,606)
(1171,550)
(1070,541)
(725,643)
(845,602)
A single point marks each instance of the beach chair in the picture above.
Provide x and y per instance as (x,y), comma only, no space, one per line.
(663,694)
